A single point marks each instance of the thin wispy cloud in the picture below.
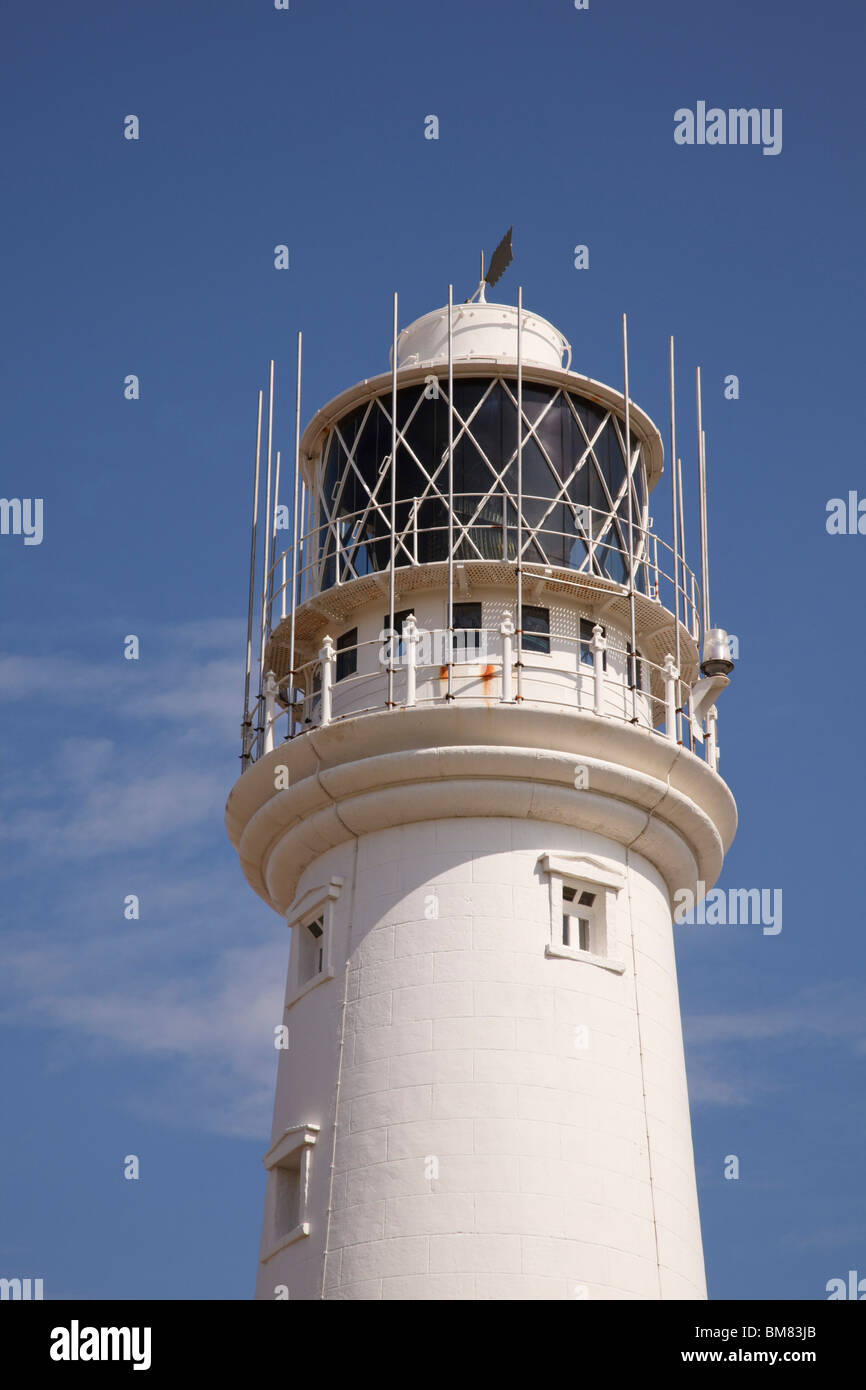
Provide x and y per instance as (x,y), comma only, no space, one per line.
(729,1053)
(126,790)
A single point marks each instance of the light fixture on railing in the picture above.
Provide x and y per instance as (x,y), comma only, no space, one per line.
(717,653)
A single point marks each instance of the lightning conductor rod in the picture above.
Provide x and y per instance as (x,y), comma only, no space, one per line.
(267,557)
(393,508)
(628,474)
(676,532)
(449,695)
(706,576)
(520,492)
(702,501)
(254,528)
(297,470)
(683,566)
(276,508)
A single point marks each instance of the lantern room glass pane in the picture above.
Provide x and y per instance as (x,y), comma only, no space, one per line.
(559,475)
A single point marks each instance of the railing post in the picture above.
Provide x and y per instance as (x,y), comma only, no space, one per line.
(269,689)
(258,726)
(598,646)
(670,675)
(327,657)
(506,631)
(247,739)
(712,738)
(411,639)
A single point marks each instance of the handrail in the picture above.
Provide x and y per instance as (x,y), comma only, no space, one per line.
(652,555)
(596,682)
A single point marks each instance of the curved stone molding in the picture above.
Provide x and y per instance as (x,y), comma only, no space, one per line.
(409,765)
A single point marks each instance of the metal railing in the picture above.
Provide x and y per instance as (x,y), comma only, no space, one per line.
(600,676)
(657,572)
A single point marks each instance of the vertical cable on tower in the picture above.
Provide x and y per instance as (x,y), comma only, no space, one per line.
(628,479)
(520,492)
(247,721)
(676,539)
(449,695)
(295,541)
(391,644)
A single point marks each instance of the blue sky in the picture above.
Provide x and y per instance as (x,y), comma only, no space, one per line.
(155,257)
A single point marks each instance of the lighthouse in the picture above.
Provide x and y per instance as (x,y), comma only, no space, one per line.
(480,755)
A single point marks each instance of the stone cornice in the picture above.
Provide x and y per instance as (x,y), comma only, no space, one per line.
(478,759)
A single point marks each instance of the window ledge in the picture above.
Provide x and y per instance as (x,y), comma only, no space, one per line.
(297,1234)
(305,988)
(573,953)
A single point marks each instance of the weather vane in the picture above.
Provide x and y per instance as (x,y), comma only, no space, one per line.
(499,263)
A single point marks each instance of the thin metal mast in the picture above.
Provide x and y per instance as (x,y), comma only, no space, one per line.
(706,571)
(702,512)
(393,508)
(254,528)
(295,539)
(520,492)
(675,535)
(274,511)
(267,555)
(682,541)
(628,475)
(304,584)
(449,694)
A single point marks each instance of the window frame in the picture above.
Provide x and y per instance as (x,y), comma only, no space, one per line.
(542,635)
(316,905)
(574,895)
(584,654)
(583,873)
(293,1150)
(464,653)
(395,635)
(347,654)
(639,659)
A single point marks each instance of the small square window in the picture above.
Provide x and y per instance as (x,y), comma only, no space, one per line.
(312,945)
(578,920)
(576,932)
(634,668)
(288,1163)
(311,921)
(536,629)
(387,634)
(583,892)
(287,1195)
(467,632)
(586,655)
(347,654)
(467,616)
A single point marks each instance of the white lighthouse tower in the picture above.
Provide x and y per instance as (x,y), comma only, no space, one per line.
(483,759)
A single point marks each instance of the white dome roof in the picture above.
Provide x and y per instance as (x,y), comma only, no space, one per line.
(483,331)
